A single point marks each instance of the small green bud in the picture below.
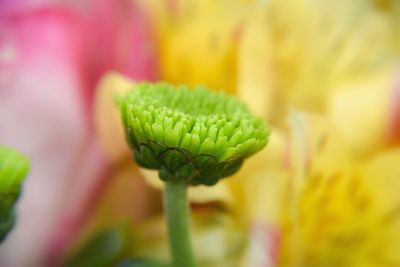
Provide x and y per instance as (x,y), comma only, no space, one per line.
(13,169)
(195,135)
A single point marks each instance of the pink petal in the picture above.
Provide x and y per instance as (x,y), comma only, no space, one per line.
(43,115)
(263,246)
(394,127)
(50,61)
(122,40)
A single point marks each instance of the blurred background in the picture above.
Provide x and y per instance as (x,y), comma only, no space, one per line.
(325,75)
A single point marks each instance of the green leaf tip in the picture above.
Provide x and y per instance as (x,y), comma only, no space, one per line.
(13,169)
(192,134)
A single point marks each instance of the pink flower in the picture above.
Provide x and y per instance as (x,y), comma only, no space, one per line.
(51,57)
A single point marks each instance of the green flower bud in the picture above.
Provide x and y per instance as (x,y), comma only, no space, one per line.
(195,135)
(13,169)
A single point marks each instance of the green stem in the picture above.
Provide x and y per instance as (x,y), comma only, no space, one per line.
(177,213)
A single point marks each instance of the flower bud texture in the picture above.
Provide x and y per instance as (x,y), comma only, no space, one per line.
(192,134)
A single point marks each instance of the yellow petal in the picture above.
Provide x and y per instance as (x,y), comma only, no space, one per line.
(255,74)
(362,110)
(258,185)
(382,177)
(107,119)
(299,51)
(198,41)
(345,202)
(381,173)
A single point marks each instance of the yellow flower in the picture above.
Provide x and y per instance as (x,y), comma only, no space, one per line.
(366,111)
(296,52)
(321,57)
(344,211)
(338,202)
